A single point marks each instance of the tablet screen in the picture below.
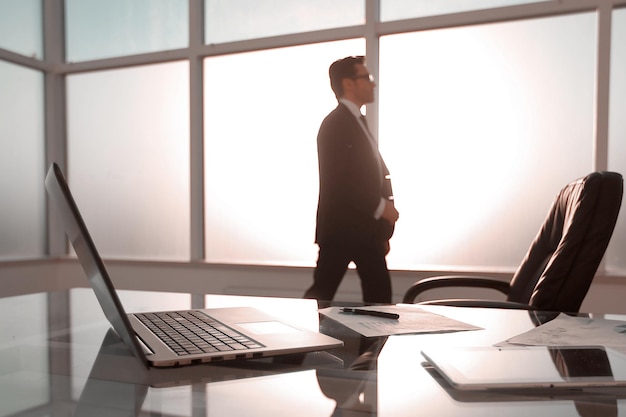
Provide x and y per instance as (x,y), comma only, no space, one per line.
(528,367)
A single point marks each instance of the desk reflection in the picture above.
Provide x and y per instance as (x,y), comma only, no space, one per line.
(119,383)
(74,364)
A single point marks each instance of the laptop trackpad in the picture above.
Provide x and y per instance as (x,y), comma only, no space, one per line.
(268,327)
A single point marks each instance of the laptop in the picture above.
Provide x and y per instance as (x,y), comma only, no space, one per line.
(533,367)
(176,338)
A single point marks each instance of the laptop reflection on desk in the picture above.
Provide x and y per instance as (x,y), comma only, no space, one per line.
(118,382)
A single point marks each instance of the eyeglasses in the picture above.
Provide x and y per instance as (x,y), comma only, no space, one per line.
(368,77)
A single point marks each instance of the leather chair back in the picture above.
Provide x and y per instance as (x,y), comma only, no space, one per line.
(558,269)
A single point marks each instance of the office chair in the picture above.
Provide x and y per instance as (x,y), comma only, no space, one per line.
(560,264)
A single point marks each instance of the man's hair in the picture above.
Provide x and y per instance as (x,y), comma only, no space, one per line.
(341,69)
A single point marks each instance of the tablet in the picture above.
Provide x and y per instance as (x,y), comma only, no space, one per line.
(528,367)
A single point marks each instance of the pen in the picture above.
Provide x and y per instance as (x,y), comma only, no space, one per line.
(363,312)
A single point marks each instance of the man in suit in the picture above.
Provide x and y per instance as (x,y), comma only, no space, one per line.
(355,214)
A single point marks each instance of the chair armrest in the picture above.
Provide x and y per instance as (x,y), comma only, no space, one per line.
(454,281)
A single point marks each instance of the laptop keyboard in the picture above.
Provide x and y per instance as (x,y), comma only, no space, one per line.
(193,332)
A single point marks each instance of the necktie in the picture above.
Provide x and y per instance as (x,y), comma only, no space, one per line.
(379,158)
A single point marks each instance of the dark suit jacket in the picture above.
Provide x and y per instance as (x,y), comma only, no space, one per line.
(351,183)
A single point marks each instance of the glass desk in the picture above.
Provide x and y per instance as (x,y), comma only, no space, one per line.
(61,358)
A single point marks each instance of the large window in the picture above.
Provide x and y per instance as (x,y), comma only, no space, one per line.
(484,110)
(261,151)
(616,259)
(22,228)
(405,9)
(21,28)
(128,158)
(234,20)
(470,132)
(102,29)
(480,127)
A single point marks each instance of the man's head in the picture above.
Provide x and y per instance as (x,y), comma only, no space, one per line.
(350,79)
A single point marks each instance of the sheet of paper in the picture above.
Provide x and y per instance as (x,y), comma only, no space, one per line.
(566,330)
(412,320)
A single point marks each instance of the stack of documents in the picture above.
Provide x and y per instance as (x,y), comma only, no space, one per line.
(401,319)
(566,330)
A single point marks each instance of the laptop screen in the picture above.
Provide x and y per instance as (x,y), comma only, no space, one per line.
(89,258)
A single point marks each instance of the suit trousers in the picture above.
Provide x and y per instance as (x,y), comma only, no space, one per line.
(371,265)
